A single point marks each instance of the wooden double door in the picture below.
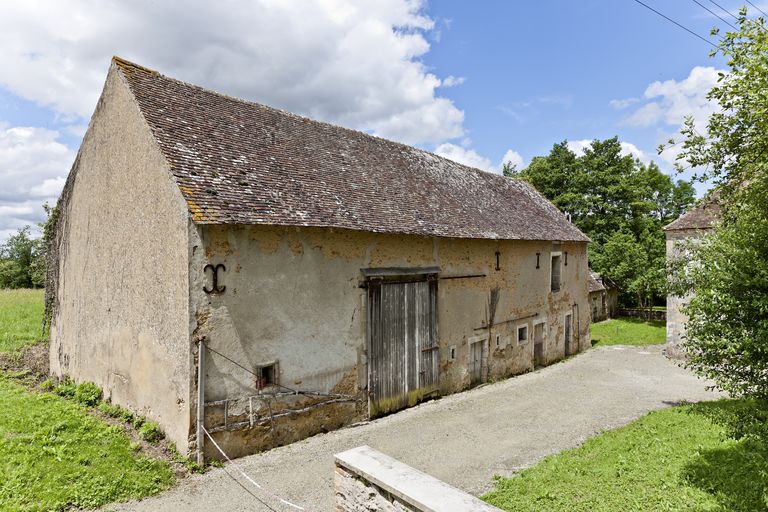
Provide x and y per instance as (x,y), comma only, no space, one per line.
(402,343)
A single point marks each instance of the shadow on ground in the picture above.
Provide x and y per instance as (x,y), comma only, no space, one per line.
(736,476)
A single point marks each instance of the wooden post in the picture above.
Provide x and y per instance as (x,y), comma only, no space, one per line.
(200,400)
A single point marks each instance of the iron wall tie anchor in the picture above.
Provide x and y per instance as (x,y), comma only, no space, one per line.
(215,273)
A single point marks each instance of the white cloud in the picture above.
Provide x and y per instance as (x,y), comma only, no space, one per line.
(470,157)
(647,115)
(50,187)
(355,63)
(669,102)
(465,156)
(578,146)
(627,148)
(514,158)
(16,210)
(76,130)
(452,81)
(33,164)
(622,104)
(674,100)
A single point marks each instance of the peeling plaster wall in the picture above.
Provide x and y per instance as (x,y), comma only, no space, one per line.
(611,298)
(676,319)
(122,320)
(293,295)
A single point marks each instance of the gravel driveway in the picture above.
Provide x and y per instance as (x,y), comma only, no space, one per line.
(464,438)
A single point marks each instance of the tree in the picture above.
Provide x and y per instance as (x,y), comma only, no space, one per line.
(23,258)
(20,259)
(727,330)
(621,204)
(508,169)
(638,264)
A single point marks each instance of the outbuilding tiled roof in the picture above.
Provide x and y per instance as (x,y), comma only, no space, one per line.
(702,216)
(238,162)
(595,283)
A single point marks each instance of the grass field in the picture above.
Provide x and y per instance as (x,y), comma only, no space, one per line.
(628,331)
(21,313)
(674,459)
(54,456)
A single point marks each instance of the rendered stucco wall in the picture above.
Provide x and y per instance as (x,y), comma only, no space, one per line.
(676,319)
(293,295)
(603,304)
(122,319)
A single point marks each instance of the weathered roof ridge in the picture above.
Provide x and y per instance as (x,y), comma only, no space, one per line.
(129,67)
(241,162)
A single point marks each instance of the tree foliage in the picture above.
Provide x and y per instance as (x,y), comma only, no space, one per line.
(621,204)
(22,256)
(727,330)
(20,261)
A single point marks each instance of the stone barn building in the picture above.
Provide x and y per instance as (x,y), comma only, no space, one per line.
(317,275)
(689,227)
(603,297)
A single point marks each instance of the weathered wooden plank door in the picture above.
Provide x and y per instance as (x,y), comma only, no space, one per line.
(402,344)
(476,363)
(538,345)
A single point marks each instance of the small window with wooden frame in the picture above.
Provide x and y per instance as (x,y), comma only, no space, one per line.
(555,272)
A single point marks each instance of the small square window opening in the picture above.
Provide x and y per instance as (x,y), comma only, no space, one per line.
(555,275)
(266,375)
(522,334)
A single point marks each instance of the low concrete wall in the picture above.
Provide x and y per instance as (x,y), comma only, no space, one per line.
(644,313)
(369,480)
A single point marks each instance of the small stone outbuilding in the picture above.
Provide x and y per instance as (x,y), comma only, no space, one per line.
(324,275)
(603,297)
(689,227)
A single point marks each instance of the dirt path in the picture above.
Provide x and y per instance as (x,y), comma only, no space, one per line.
(463,439)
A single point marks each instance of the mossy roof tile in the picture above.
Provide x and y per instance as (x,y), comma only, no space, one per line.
(238,162)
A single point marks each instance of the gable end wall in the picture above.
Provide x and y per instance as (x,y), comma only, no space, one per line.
(123,317)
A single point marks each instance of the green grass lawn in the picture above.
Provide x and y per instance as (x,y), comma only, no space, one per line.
(628,331)
(21,313)
(54,456)
(674,459)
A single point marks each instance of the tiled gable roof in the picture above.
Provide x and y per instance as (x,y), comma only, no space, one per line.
(702,216)
(237,162)
(595,283)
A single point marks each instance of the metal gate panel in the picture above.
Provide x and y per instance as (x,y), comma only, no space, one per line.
(402,331)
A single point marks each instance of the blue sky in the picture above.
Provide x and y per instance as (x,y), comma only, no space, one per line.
(542,72)
(479,82)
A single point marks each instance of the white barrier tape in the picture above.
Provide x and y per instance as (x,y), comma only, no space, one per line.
(281,500)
